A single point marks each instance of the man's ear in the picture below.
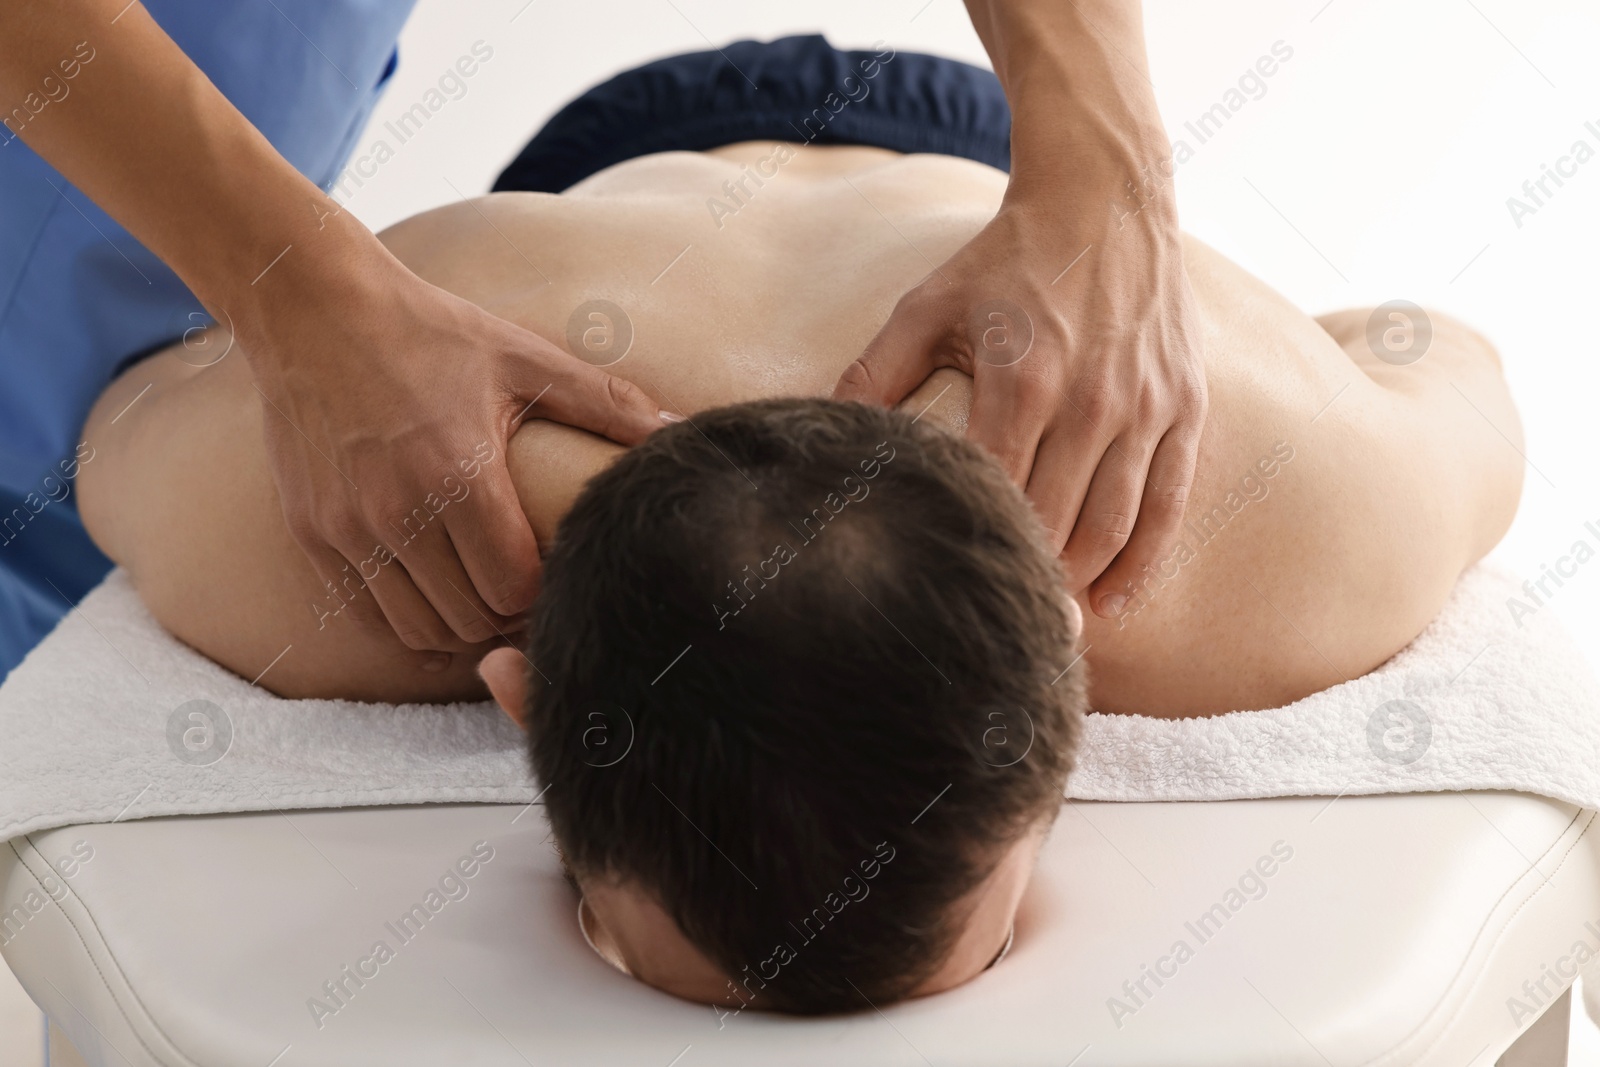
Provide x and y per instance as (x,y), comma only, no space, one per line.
(504,670)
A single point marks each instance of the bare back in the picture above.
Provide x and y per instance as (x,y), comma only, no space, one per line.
(1336,501)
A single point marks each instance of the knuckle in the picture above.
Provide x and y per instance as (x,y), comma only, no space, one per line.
(915,301)
(1006,449)
(621,393)
(414,636)
(474,630)
(1107,533)
(1154,397)
(508,595)
(1193,398)
(1035,378)
(388,501)
(363,610)
(1179,399)
(1033,395)
(857,375)
(1168,500)
(1095,401)
(342,527)
(454,616)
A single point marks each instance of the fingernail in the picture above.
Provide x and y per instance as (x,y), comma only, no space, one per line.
(436,662)
(1112,604)
(667,416)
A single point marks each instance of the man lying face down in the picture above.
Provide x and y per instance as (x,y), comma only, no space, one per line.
(815,643)
(802,710)
(800,703)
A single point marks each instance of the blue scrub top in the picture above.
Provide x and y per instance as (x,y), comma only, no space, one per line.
(79,296)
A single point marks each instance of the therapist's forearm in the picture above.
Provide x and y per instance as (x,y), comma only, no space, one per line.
(344,342)
(144,133)
(1078,82)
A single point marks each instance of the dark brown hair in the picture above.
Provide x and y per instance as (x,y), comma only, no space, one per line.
(801,677)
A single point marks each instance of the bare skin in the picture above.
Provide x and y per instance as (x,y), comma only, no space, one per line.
(1386,481)
(1102,426)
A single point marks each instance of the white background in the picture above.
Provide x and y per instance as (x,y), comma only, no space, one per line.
(1376,166)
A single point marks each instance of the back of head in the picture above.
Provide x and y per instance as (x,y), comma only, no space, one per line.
(799,677)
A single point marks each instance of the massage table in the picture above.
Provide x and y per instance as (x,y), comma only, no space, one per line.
(1410,930)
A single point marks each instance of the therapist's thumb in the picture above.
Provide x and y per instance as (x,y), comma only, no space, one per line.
(555,385)
(899,359)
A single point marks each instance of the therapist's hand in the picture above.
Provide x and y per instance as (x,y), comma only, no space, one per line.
(387,405)
(387,402)
(1087,385)
(1087,382)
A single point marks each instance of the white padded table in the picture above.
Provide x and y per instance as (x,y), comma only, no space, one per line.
(1395,934)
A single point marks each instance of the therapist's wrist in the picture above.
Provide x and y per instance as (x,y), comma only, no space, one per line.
(1094,161)
(1067,144)
(302,264)
(1079,207)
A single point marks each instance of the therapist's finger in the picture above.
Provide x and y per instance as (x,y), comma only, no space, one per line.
(554,385)
(341,594)
(1106,520)
(409,612)
(1161,511)
(1063,467)
(430,561)
(1012,406)
(900,357)
(495,542)
(344,590)
(355,600)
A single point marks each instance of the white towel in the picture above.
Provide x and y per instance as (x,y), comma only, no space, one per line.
(99,724)
(111,718)
(1482,699)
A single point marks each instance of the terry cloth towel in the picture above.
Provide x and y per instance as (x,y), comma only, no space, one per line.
(111,718)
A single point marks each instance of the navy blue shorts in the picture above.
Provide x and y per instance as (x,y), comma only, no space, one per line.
(799,89)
